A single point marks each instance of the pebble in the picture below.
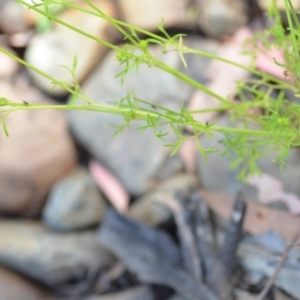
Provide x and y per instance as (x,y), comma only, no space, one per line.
(216,175)
(12,17)
(74,202)
(177,297)
(8,66)
(16,287)
(134,158)
(279,3)
(135,293)
(148,210)
(218,18)
(38,151)
(214,172)
(149,13)
(49,257)
(58,47)
(257,254)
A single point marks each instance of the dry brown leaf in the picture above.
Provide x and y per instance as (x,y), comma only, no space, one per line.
(259,219)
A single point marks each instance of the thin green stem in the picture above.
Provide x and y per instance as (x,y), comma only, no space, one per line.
(141,114)
(189,80)
(57,20)
(50,78)
(119,24)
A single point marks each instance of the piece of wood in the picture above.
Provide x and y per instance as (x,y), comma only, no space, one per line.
(150,254)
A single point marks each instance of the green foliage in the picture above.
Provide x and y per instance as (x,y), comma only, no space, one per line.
(268,124)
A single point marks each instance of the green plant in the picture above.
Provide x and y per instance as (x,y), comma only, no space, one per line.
(278,126)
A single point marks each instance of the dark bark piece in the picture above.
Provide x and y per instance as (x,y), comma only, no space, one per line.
(214,270)
(142,240)
(233,234)
(182,216)
(78,290)
(150,254)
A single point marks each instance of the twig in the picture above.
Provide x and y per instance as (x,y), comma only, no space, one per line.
(233,234)
(214,270)
(150,254)
(189,249)
(278,267)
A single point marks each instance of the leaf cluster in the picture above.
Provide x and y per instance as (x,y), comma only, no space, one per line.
(269,122)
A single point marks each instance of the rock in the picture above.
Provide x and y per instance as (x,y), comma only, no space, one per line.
(288,175)
(148,210)
(36,19)
(148,14)
(74,202)
(215,173)
(16,287)
(8,65)
(136,293)
(171,165)
(262,253)
(225,180)
(134,158)
(22,39)
(221,17)
(177,297)
(58,47)
(38,151)
(279,3)
(50,257)
(278,294)
(12,17)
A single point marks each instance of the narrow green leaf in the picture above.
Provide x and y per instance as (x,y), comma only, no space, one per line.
(5,129)
(3,101)
(161,28)
(74,66)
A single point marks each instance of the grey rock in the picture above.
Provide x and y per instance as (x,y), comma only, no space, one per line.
(177,297)
(215,173)
(134,157)
(290,173)
(12,17)
(169,167)
(221,17)
(262,253)
(75,202)
(136,293)
(218,177)
(50,257)
(58,47)
(147,209)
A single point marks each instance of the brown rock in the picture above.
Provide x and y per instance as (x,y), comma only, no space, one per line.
(280,4)
(58,47)
(150,209)
(38,151)
(147,14)
(16,287)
